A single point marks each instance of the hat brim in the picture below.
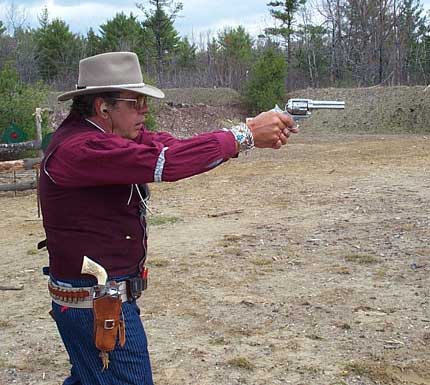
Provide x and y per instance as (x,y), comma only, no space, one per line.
(145,89)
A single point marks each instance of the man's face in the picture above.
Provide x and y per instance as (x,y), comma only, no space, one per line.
(127,116)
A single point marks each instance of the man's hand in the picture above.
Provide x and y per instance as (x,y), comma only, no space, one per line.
(271,129)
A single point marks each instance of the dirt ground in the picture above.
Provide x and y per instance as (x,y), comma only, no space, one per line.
(308,265)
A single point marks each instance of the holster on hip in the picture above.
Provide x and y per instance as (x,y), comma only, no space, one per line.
(108,325)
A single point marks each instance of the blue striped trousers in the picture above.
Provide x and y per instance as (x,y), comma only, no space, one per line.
(129,365)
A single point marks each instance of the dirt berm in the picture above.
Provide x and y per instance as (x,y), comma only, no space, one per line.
(368,110)
(373,110)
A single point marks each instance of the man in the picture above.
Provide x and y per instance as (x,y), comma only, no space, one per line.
(93,193)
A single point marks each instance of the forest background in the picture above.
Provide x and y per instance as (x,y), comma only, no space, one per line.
(317,44)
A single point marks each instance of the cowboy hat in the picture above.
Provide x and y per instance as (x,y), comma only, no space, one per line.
(110,72)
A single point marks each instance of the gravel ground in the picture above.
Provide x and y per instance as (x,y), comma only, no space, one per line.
(309,265)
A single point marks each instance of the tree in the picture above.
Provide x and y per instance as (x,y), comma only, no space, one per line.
(15,17)
(7,46)
(159,24)
(333,12)
(18,101)
(425,53)
(59,50)
(366,21)
(411,32)
(2,28)
(284,11)
(266,84)
(311,52)
(235,47)
(186,54)
(93,45)
(26,51)
(122,33)
(213,49)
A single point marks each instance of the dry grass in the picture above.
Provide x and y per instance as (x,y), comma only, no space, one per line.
(344,270)
(241,362)
(157,220)
(6,324)
(218,341)
(261,261)
(362,259)
(357,368)
(158,262)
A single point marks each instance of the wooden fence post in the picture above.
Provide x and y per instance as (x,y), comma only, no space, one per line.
(38,116)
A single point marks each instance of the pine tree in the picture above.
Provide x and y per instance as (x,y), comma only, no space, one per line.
(266,84)
(57,49)
(236,52)
(122,33)
(159,24)
(93,45)
(284,11)
(186,54)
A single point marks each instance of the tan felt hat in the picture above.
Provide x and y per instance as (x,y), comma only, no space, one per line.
(110,72)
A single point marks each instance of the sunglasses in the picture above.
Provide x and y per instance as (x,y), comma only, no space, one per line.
(139,102)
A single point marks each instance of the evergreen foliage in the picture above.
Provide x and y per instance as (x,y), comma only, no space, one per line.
(57,49)
(284,12)
(18,101)
(235,50)
(163,38)
(122,33)
(354,43)
(186,54)
(266,84)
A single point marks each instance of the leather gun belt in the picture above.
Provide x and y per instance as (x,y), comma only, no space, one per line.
(80,297)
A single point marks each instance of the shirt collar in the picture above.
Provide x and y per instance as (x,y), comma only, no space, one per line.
(96,125)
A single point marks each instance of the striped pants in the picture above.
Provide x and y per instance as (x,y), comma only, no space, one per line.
(128,365)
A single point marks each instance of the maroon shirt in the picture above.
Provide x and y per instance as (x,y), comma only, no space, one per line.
(89,190)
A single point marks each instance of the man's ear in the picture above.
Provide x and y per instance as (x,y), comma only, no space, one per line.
(101,108)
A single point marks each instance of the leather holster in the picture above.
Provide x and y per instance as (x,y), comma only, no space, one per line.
(108,325)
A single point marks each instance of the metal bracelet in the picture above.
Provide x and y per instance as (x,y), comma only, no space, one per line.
(243,136)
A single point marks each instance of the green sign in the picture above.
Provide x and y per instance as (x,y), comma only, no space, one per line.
(45,141)
(14,134)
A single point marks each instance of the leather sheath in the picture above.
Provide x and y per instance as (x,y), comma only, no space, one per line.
(108,325)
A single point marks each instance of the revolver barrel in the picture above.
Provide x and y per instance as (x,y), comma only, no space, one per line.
(330,104)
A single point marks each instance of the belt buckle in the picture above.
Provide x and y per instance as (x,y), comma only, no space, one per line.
(109,324)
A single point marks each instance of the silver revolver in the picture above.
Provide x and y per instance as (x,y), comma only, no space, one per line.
(302,108)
